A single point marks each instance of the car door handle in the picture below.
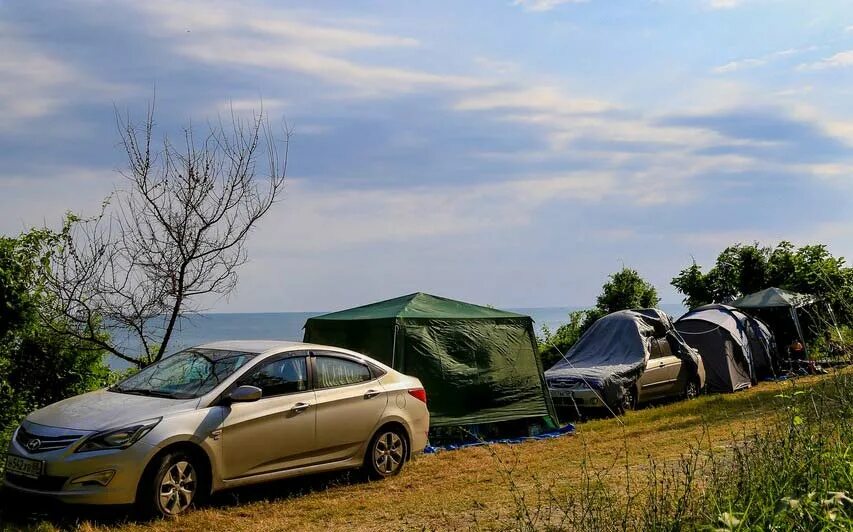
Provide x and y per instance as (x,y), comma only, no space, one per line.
(370,394)
(298,408)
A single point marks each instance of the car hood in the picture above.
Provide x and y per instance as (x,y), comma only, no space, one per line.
(572,377)
(104,409)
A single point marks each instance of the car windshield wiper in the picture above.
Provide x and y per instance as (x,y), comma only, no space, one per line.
(148,393)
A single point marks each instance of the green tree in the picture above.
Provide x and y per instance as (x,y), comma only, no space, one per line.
(742,269)
(37,366)
(625,289)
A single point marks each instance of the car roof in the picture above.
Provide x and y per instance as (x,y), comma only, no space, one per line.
(254,346)
(278,346)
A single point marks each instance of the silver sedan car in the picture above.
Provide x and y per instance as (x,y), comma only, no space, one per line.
(217,416)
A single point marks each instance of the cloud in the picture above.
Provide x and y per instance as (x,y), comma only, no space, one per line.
(724,4)
(321,218)
(753,62)
(839,60)
(544,5)
(543,99)
(221,34)
(35,84)
(25,202)
(740,64)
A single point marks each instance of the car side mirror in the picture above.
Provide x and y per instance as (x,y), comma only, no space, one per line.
(245,394)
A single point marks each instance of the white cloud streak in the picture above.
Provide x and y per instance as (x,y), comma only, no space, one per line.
(221,33)
(35,84)
(838,60)
(544,5)
(724,4)
(753,62)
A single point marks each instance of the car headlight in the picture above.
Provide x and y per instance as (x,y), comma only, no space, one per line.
(118,438)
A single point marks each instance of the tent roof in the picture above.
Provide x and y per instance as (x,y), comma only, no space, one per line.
(418,305)
(721,315)
(773,297)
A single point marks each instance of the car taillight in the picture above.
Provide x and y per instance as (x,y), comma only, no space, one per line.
(418,393)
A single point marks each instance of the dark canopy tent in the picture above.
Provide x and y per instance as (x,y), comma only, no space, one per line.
(478,364)
(730,343)
(779,308)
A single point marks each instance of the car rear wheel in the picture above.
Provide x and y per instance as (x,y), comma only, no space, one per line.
(386,454)
(691,389)
(172,488)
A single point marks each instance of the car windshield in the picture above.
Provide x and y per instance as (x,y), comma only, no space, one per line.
(185,375)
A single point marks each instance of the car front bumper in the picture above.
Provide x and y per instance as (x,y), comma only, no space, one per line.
(61,467)
(576,397)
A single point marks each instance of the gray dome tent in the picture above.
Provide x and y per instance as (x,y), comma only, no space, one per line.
(762,345)
(721,337)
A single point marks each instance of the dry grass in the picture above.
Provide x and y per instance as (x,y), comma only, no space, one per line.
(471,488)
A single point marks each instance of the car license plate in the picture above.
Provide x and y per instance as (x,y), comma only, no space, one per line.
(556,392)
(24,466)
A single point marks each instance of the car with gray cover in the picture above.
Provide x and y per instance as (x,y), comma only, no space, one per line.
(624,359)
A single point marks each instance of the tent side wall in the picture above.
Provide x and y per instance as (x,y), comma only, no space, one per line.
(723,372)
(373,337)
(476,371)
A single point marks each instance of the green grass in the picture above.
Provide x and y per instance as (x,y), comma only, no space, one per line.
(736,459)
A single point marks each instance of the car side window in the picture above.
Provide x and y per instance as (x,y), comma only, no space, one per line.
(656,350)
(331,372)
(279,377)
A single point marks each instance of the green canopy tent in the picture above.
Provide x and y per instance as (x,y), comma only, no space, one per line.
(479,365)
(776,298)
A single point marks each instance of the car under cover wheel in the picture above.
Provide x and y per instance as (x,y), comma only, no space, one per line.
(386,453)
(691,389)
(629,400)
(173,487)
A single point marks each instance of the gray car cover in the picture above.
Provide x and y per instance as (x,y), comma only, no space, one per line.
(611,355)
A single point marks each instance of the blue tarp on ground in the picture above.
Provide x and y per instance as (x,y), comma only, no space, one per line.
(562,431)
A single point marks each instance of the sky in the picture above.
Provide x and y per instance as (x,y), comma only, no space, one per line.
(511,153)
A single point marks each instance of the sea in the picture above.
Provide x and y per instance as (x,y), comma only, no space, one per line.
(210,327)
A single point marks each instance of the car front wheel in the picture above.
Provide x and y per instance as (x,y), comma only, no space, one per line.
(172,488)
(386,454)
(628,402)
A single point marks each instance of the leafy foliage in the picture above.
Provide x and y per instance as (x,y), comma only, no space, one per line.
(742,269)
(37,366)
(626,289)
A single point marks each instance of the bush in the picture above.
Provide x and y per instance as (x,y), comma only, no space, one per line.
(37,366)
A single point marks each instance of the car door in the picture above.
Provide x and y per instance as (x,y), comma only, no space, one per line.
(652,384)
(350,403)
(661,376)
(277,431)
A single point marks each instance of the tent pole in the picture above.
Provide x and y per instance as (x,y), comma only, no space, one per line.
(394,345)
(834,321)
(799,330)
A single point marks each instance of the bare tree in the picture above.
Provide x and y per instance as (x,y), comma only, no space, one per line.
(176,235)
